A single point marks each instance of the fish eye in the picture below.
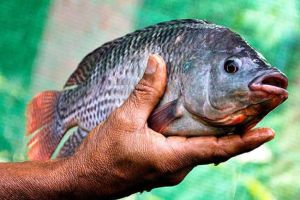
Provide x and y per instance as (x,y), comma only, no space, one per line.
(231,66)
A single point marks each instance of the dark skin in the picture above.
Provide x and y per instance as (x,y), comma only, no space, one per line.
(122,155)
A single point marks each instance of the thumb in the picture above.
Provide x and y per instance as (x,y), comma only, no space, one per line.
(147,92)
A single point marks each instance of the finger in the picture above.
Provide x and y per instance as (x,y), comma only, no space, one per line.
(147,92)
(205,150)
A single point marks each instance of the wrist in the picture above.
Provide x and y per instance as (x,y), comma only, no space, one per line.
(94,176)
(88,178)
(51,179)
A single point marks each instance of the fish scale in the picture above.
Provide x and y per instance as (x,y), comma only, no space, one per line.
(105,78)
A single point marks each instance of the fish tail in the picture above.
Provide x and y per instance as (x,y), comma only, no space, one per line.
(44,123)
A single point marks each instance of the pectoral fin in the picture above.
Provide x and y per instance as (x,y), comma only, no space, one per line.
(164,115)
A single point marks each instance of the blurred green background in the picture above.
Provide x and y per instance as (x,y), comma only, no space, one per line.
(42,41)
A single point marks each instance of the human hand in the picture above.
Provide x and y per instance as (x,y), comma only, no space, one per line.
(123,155)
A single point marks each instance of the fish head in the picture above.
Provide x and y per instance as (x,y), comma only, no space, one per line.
(229,84)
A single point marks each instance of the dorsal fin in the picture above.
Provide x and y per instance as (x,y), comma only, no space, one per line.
(88,64)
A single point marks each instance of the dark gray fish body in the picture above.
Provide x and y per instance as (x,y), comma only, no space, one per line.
(205,94)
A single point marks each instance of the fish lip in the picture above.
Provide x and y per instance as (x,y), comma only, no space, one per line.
(258,85)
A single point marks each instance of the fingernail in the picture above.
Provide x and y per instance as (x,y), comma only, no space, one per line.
(266,132)
(270,133)
(151,65)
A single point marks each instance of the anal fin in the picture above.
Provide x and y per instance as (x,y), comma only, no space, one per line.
(72,143)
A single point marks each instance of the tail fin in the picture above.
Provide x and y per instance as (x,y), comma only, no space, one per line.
(44,123)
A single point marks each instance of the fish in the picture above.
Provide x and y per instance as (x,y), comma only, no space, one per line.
(217,84)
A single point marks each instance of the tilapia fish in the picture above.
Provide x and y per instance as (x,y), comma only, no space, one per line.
(217,84)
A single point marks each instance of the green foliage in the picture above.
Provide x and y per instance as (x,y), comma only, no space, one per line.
(22,24)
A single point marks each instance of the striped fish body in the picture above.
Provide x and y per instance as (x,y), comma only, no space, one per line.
(106,77)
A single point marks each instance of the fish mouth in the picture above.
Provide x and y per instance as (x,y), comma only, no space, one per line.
(267,86)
